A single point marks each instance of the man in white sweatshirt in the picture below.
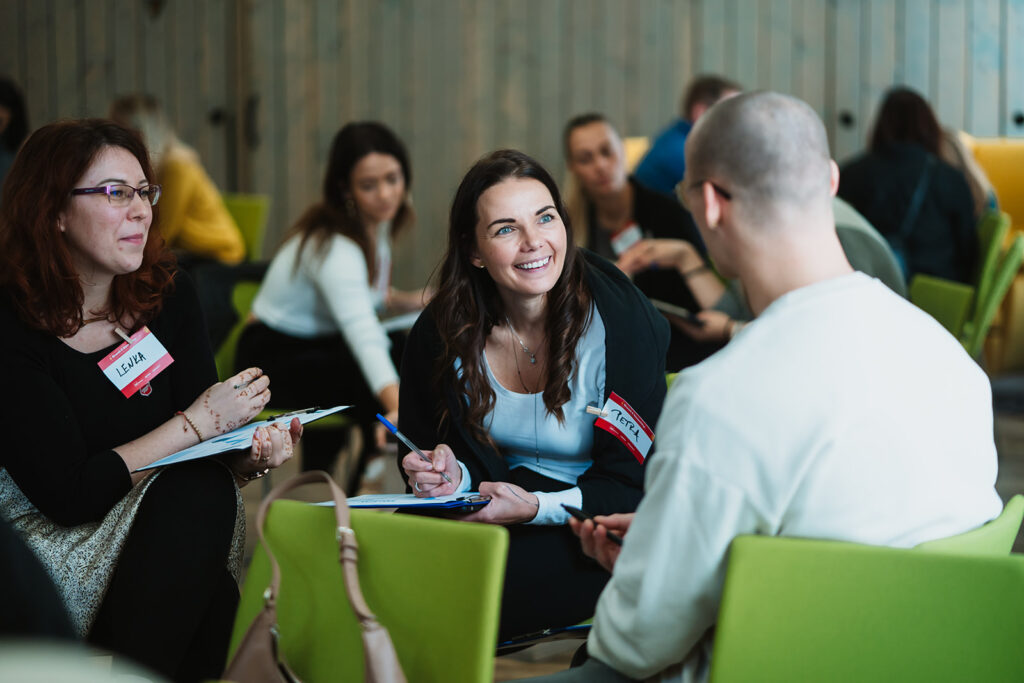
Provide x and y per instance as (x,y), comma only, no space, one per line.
(841,412)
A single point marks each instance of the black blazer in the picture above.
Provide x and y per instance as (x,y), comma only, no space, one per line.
(636,337)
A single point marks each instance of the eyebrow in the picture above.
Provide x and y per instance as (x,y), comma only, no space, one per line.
(513,220)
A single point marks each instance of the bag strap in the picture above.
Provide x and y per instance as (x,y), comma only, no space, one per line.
(916,201)
(347,546)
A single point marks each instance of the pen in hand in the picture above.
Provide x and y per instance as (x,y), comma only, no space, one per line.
(401,437)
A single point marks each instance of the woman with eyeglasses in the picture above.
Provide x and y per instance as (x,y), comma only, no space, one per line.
(637,228)
(146,562)
(526,338)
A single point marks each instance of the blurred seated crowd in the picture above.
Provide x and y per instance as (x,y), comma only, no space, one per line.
(739,294)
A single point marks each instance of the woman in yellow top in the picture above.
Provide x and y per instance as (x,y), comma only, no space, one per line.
(193,218)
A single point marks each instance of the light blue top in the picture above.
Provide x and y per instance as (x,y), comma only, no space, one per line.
(530,437)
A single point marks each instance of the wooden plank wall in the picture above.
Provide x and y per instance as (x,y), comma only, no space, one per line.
(71,58)
(457,78)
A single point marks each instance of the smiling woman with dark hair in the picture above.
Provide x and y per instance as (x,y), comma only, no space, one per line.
(146,561)
(525,333)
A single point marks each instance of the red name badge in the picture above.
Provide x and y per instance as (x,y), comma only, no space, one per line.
(620,420)
(133,364)
(625,238)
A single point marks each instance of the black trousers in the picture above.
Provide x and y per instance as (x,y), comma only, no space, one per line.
(549,582)
(313,372)
(171,602)
(32,607)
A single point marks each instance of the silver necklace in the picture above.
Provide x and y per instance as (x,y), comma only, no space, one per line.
(536,446)
(526,349)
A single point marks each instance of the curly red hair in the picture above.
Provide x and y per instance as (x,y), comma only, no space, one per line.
(37,271)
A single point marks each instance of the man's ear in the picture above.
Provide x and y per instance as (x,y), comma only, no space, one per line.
(713,207)
(834,180)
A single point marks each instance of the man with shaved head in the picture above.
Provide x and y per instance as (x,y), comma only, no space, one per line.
(841,412)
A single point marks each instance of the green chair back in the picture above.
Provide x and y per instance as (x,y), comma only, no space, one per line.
(992,229)
(985,311)
(801,610)
(994,538)
(250,212)
(241,298)
(434,584)
(947,301)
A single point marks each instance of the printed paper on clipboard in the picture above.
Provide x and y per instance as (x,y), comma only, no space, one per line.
(464,502)
(239,438)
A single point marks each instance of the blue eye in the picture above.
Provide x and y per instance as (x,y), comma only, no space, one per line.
(503,230)
(546,218)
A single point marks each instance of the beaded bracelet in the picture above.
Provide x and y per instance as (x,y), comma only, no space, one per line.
(191,424)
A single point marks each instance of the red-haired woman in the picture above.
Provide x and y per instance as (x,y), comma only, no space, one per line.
(525,333)
(145,561)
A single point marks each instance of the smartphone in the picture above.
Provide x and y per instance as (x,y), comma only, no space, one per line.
(678,311)
(583,516)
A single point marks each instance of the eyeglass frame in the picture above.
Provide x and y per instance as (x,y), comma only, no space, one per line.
(105,189)
(681,189)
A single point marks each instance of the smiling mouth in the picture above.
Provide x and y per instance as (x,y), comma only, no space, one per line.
(534,265)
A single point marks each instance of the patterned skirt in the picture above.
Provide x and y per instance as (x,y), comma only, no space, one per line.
(81,559)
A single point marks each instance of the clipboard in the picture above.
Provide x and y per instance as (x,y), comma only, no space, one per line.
(461,502)
(239,438)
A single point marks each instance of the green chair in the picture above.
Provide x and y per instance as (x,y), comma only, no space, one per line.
(435,584)
(947,301)
(992,229)
(242,297)
(250,213)
(803,610)
(995,538)
(987,306)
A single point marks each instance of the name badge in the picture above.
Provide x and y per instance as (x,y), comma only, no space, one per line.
(133,364)
(620,420)
(625,238)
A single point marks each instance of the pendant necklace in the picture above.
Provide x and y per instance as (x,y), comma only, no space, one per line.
(526,349)
(515,357)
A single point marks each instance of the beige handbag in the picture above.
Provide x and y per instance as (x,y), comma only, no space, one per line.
(258,660)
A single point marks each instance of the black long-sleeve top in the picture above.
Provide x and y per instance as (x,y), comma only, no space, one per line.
(636,337)
(943,240)
(65,417)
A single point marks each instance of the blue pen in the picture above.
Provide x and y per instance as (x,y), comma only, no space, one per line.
(401,437)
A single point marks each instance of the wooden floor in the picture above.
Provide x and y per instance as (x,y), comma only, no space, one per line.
(1009,437)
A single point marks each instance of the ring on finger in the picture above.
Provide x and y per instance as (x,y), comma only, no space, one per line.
(416,485)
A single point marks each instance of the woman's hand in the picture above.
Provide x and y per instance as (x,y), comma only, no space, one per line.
(510,504)
(426,479)
(661,253)
(272,446)
(230,404)
(594,537)
(715,328)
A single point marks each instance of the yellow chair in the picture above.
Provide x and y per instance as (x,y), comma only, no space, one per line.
(1003,162)
(250,213)
(435,584)
(635,149)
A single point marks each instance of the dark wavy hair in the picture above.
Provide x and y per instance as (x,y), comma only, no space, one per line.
(37,271)
(17,127)
(905,116)
(467,305)
(330,215)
